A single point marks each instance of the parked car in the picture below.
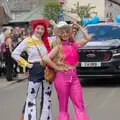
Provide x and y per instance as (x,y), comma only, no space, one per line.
(100,58)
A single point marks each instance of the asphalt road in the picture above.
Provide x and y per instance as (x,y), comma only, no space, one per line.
(101,99)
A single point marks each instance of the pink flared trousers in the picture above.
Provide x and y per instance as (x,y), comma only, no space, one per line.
(67,85)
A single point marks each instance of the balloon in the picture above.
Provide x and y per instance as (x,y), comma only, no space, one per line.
(86,21)
(118,19)
(95,19)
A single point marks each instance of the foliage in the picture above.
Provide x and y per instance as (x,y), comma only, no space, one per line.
(51,10)
(83,11)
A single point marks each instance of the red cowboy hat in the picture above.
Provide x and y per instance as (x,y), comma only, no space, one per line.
(39,21)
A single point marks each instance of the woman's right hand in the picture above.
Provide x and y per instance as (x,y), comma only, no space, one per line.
(30,66)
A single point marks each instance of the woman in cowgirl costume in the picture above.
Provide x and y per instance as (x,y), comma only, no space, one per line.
(64,57)
(36,73)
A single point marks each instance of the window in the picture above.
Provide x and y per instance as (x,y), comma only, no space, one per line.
(101,33)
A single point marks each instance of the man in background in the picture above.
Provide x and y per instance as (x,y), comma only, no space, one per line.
(16,36)
(51,36)
(15,39)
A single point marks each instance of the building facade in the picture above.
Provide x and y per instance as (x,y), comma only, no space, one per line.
(111,9)
(104,8)
(18,7)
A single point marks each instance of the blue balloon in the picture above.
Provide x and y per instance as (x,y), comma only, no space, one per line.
(95,19)
(86,21)
(118,19)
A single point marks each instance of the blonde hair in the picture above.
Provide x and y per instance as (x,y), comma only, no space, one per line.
(7,33)
(59,58)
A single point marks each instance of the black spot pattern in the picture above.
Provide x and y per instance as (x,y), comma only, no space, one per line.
(48,118)
(31,110)
(33,91)
(48,88)
(30,104)
(49,107)
(49,100)
(50,83)
(29,116)
(48,93)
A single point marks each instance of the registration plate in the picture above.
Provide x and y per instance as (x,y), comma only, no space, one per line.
(90,64)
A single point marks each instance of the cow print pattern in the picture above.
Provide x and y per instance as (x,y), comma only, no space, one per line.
(49,107)
(48,118)
(48,93)
(29,116)
(30,104)
(30,107)
(48,88)
(46,110)
(33,91)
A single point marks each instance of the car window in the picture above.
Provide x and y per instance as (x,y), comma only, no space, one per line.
(102,33)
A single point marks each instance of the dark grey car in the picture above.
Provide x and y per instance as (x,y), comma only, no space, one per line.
(100,57)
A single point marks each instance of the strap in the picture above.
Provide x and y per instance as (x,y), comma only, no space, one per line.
(38,51)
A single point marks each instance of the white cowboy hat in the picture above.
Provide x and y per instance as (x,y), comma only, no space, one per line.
(62,24)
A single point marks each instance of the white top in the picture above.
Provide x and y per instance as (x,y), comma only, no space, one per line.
(29,46)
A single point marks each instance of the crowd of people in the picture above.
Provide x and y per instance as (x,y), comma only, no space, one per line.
(10,38)
(56,45)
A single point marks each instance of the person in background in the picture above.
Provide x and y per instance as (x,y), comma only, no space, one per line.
(15,39)
(23,35)
(108,19)
(75,29)
(6,49)
(50,30)
(51,35)
(2,35)
(16,36)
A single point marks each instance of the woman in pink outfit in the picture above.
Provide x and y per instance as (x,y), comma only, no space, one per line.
(64,59)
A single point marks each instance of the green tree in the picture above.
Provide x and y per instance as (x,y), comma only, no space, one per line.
(51,10)
(83,11)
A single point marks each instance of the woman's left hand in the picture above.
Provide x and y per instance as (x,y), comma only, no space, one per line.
(52,22)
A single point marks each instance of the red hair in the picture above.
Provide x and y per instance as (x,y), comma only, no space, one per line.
(45,23)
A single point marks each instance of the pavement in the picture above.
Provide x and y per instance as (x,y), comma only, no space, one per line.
(101,98)
(4,83)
